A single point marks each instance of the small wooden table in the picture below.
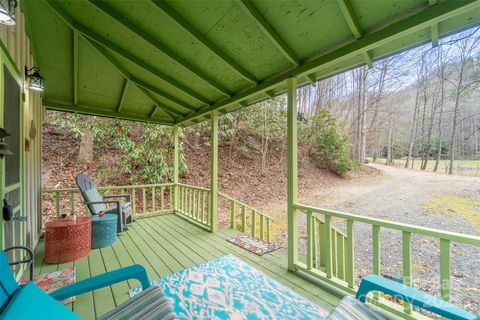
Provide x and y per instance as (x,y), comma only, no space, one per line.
(67,240)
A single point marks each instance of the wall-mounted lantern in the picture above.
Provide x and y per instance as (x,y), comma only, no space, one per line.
(7,12)
(4,151)
(36,81)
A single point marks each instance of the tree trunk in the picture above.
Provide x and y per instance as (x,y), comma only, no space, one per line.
(85,154)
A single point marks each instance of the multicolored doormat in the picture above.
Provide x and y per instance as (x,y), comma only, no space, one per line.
(257,246)
(227,288)
(52,281)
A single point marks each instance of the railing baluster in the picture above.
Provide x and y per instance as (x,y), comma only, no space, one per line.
(57,204)
(134,203)
(445,269)
(350,250)
(203,206)
(334,252)
(310,240)
(341,256)
(262,227)
(321,236)
(232,214)
(328,246)
(269,232)
(194,202)
(376,253)
(315,240)
(144,199)
(72,203)
(170,198)
(244,219)
(407,265)
(254,223)
(154,200)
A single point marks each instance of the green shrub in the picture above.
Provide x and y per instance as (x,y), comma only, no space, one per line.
(327,143)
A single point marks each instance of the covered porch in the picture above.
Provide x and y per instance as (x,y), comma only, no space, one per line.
(122,60)
(166,244)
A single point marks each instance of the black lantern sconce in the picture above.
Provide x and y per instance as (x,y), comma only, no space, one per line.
(36,81)
(4,151)
(7,12)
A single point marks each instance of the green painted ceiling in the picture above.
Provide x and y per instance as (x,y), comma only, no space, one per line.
(172,62)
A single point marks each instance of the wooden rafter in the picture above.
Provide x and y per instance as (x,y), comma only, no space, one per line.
(52,105)
(139,83)
(87,33)
(417,22)
(159,46)
(434,28)
(122,98)
(352,21)
(267,29)
(194,32)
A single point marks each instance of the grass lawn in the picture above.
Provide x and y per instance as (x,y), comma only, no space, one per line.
(461,167)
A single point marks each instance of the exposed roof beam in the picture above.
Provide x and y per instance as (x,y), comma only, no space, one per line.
(75,67)
(124,93)
(352,21)
(368,58)
(87,33)
(270,94)
(159,46)
(267,29)
(152,114)
(434,28)
(95,111)
(349,15)
(434,32)
(139,82)
(419,21)
(184,24)
(311,79)
(166,110)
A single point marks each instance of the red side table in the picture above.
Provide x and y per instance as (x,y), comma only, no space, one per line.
(67,240)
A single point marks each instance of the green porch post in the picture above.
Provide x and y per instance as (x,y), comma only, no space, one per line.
(213,209)
(176,131)
(292,172)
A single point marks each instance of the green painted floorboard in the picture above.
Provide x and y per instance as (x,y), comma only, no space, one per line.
(166,244)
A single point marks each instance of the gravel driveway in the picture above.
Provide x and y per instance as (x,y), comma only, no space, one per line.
(422,198)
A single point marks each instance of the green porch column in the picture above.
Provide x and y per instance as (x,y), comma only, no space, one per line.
(213,209)
(292,172)
(176,131)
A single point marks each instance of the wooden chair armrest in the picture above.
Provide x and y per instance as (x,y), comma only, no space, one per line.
(128,197)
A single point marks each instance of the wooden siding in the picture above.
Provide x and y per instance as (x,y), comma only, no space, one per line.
(17,44)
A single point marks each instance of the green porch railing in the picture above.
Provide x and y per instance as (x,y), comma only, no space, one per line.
(147,200)
(337,252)
(194,203)
(252,221)
(152,199)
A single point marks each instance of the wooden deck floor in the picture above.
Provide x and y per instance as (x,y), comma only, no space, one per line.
(166,244)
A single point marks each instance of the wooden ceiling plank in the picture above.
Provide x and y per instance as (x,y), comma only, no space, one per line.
(195,33)
(416,22)
(267,29)
(159,46)
(87,33)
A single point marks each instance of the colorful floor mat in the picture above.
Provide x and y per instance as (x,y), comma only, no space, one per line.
(52,281)
(257,246)
(227,288)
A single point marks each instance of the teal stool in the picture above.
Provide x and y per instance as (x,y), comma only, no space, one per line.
(104,230)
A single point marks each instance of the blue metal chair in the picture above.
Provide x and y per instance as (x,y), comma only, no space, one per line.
(412,296)
(30,302)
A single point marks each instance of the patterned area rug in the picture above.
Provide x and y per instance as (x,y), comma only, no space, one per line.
(227,288)
(52,281)
(257,246)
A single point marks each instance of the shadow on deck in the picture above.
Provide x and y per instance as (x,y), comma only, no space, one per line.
(167,244)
